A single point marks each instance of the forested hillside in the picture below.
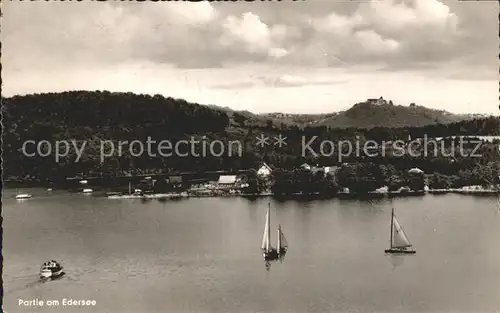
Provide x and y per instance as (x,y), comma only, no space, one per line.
(98,116)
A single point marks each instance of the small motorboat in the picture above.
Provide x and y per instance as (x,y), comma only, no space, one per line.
(23,196)
(51,269)
(87,190)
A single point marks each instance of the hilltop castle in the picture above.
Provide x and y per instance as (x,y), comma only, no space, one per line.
(378,101)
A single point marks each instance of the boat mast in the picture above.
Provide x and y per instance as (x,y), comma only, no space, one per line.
(392,224)
(268,241)
(279,238)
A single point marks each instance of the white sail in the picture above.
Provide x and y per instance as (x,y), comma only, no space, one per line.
(265,241)
(279,238)
(266,238)
(399,239)
(282,239)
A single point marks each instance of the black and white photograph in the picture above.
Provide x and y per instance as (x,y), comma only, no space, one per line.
(248,156)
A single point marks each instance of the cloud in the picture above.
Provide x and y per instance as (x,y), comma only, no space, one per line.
(248,30)
(396,32)
(201,13)
(239,85)
(289,81)
(297,81)
(395,16)
(278,53)
(399,34)
(51,34)
(373,43)
(249,34)
(337,25)
(283,81)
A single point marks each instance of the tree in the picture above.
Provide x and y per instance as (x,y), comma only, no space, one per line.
(255,183)
(360,178)
(283,182)
(439,181)
(238,118)
(416,181)
(395,182)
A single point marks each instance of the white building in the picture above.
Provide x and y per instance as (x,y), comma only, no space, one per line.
(227,181)
(415,170)
(306,166)
(264,170)
(331,170)
(378,101)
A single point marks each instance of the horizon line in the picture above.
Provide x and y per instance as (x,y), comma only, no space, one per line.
(225,107)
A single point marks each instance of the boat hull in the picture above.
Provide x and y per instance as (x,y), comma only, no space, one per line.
(23,196)
(46,274)
(400,251)
(271,255)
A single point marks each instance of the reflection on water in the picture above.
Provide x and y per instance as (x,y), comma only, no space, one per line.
(22,283)
(397,260)
(280,259)
(268,265)
(199,255)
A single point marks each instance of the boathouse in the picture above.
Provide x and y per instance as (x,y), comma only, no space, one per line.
(264,171)
(227,181)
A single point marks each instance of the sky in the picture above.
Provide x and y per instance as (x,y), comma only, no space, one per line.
(312,56)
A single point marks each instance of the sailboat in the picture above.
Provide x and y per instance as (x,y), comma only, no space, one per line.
(269,252)
(399,240)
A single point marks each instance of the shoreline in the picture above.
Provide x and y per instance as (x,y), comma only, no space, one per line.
(466,190)
(340,195)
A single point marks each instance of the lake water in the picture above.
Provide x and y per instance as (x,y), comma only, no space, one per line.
(203,255)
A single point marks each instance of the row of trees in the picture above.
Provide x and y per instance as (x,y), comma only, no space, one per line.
(362,178)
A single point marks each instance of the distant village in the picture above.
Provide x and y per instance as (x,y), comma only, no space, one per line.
(216,184)
(223,185)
